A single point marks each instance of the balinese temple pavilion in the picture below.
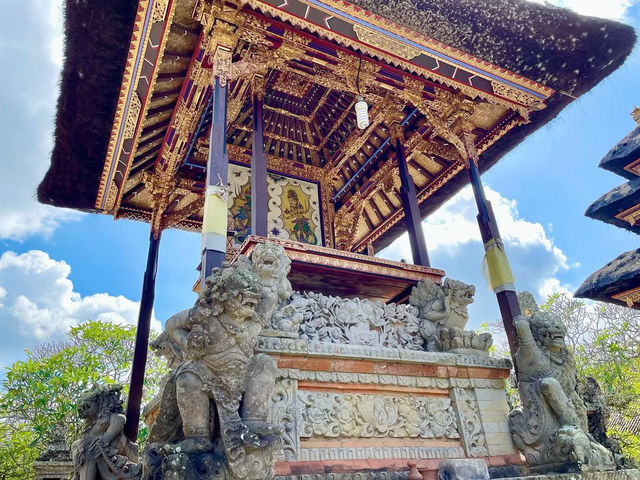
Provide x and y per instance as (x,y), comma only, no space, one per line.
(331,125)
(619,280)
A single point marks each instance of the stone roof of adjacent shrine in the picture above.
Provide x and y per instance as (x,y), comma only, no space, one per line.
(510,65)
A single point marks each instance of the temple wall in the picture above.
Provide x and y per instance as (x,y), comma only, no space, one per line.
(353,408)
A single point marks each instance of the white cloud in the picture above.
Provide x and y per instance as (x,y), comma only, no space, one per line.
(453,240)
(39,302)
(614,9)
(31,44)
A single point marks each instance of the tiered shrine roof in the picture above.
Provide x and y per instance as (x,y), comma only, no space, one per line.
(133,122)
(619,280)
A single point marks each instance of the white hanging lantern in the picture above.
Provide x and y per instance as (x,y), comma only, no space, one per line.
(362,113)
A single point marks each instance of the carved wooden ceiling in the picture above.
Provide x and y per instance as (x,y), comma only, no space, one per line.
(310,80)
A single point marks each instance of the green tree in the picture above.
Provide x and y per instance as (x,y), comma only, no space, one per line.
(43,390)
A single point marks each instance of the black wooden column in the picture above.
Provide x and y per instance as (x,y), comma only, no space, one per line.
(500,276)
(142,339)
(259,196)
(214,222)
(409,201)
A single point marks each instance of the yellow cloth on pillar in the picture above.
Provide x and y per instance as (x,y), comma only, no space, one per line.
(215,214)
(495,265)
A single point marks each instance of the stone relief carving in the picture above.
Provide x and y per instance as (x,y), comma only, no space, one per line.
(285,414)
(302,347)
(445,307)
(104,452)
(470,424)
(551,429)
(336,415)
(354,321)
(212,421)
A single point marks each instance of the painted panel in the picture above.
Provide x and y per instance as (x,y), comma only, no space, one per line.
(294,207)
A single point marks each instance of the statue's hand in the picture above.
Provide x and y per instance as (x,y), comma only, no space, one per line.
(523,329)
(97,446)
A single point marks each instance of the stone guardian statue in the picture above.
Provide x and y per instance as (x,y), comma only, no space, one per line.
(551,428)
(104,452)
(213,413)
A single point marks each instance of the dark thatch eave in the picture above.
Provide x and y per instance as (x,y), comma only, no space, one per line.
(97,36)
(559,48)
(617,276)
(617,200)
(622,154)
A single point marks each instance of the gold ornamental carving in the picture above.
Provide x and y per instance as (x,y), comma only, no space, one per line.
(222,65)
(636,115)
(159,10)
(383,42)
(631,215)
(630,297)
(517,95)
(132,117)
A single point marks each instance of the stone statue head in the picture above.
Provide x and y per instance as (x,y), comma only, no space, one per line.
(100,400)
(234,290)
(461,295)
(548,331)
(270,262)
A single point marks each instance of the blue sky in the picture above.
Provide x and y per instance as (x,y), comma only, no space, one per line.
(59,267)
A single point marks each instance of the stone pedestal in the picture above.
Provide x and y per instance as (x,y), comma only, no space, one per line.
(353,411)
(53,470)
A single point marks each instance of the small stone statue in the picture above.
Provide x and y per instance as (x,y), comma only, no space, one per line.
(551,429)
(104,452)
(272,266)
(212,421)
(598,415)
(445,307)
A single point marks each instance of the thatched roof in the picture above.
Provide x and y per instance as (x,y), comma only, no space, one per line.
(97,36)
(617,200)
(622,154)
(617,276)
(565,51)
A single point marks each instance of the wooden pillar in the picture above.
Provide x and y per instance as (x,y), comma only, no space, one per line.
(409,201)
(214,222)
(500,275)
(142,339)
(259,196)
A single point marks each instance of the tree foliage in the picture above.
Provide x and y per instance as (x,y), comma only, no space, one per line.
(43,390)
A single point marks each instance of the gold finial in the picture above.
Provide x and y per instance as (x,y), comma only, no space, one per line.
(636,115)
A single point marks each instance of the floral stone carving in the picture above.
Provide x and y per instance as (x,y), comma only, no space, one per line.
(104,452)
(354,321)
(335,415)
(212,421)
(551,428)
(445,307)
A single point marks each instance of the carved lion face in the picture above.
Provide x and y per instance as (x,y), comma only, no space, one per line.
(548,331)
(460,292)
(270,261)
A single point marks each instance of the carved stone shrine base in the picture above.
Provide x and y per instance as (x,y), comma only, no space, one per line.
(360,412)
(615,475)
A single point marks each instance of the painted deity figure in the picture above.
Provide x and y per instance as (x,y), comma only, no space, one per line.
(444,310)
(212,421)
(551,428)
(104,452)
(297,213)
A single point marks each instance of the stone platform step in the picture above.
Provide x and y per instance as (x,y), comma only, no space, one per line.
(617,475)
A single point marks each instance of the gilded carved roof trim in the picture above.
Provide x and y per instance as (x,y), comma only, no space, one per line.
(504,80)
(130,108)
